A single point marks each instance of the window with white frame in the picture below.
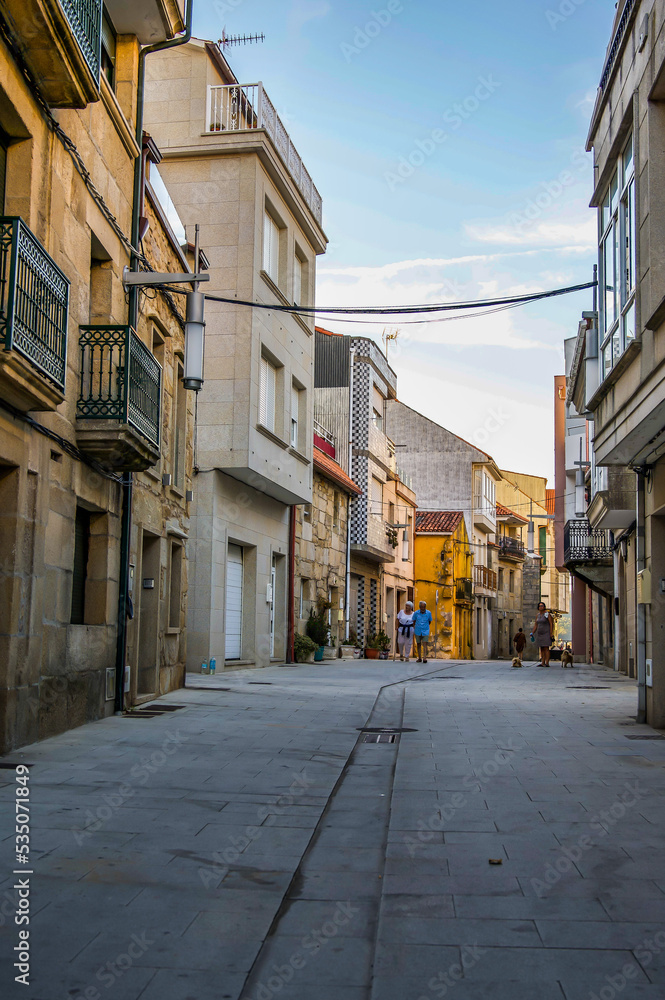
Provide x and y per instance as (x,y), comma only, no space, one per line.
(271,247)
(490,495)
(378,402)
(267,394)
(295,414)
(377,497)
(616,226)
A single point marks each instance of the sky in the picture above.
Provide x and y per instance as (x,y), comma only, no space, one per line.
(447,141)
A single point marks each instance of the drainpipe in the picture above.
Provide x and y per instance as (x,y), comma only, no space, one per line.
(133,311)
(615,602)
(291,613)
(347,588)
(641,608)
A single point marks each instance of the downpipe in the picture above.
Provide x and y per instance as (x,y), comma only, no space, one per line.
(641,608)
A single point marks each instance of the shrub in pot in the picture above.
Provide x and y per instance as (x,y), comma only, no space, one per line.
(304,648)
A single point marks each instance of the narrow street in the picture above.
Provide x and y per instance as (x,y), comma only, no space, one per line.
(249,844)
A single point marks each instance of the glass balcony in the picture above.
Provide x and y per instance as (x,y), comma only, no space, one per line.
(119,402)
(34,298)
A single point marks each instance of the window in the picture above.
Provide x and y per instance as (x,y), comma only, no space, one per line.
(377,497)
(336,510)
(271,247)
(179,425)
(175,584)
(298,268)
(377,409)
(542,544)
(296,395)
(500,579)
(4,145)
(80,569)
(303,608)
(406,540)
(511,581)
(267,392)
(108,48)
(477,490)
(617,236)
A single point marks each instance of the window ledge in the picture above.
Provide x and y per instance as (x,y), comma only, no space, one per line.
(275,288)
(299,455)
(301,322)
(272,436)
(177,492)
(156,476)
(117,116)
(620,367)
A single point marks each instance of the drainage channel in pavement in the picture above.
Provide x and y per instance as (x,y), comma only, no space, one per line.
(326,927)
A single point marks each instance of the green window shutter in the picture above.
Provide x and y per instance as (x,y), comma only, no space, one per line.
(542,539)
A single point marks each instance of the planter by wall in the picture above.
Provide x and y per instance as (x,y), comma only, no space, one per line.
(383,654)
(330,652)
(371,654)
(318,655)
(347,651)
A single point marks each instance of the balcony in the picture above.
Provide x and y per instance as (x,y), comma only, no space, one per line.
(588,555)
(247,108)
(324,440)
(511,548)
(61,43)
(118,409)
(464,589)
(484,578)
(34,298)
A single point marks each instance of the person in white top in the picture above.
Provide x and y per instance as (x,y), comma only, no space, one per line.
(404,627)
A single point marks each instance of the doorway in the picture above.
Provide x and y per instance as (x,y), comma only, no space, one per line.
(147,665)
(234,585)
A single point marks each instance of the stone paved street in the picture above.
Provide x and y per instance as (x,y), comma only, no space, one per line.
(250,845)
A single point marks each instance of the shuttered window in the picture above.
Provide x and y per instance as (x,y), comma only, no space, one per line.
(267,385)
(80,569)
(271,247)
(377,497)
(297,281)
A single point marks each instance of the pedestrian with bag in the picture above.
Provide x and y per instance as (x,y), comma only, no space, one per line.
(405,627)
(422,619)
(543,631)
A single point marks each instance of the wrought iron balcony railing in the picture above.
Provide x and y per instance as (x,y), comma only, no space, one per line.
(34,298)
(511,547)
(582,543)
(85,20)
(120,380)
(245,107)
(484,577)
(464,590)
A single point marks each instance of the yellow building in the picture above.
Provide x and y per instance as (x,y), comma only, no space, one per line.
(444,580)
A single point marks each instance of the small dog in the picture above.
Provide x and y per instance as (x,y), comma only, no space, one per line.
(517,662)
(566,659)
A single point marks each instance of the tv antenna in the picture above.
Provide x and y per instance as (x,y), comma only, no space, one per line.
(387,336)
(226,41)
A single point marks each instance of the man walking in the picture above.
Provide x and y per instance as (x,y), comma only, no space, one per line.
(422,619)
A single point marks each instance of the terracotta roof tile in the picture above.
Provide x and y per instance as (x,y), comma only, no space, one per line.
(329,467)
(502,511)
(437,521)
(550,501)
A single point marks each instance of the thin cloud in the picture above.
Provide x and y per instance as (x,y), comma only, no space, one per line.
(578,235)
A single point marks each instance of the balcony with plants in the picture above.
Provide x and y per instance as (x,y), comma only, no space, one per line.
(119,402)
(34,299)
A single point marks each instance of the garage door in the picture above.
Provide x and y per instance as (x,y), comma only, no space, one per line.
(234,602)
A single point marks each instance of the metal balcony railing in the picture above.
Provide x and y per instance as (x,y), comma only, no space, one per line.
(484,577)
(511,547)
(245,107)
(120,379)
(464,589)
(616,43)
(85,20)
(34,298)
(582,543)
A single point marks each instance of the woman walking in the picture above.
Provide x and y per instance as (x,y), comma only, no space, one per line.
(543,630)
(405,631)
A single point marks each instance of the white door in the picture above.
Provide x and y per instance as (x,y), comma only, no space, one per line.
(233,603)
(273,577)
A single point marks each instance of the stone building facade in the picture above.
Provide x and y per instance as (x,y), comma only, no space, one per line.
(81,392)
(321,546)
(230,166)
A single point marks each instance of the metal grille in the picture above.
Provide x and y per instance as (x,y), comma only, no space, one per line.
(34,299)
(380,738)
(85,20)
(586,687)
(582,543)
(120,379)
(616,43)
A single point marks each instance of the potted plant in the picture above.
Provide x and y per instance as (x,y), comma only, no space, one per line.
(317,630)
(384,644)
(304,648)
(330,651)
(372,646)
